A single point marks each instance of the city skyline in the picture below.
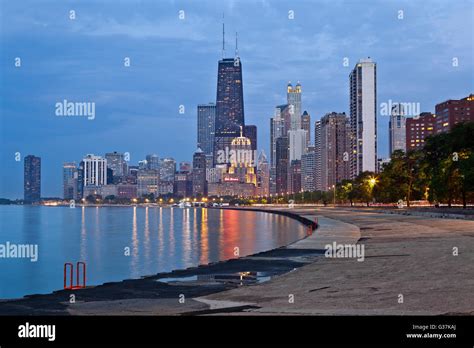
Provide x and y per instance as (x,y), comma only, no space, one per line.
(93,134)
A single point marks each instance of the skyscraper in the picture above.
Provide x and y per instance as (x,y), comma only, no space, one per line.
(147,182)
(317,156)
(80,180)
(294,100)
(32,179)
(205,127)
(297,143)
(277,130)
(250,131)
(70,177)
(308,170)
(294,176)
(167,169)
(95,170)
(335,137)
(397,129)
(363,117)
(306,125)
(263,175)
(152,162)
(229,104)
(116,162)
(282,164)
(199,173)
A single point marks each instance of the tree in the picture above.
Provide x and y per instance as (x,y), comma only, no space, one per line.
(364,186)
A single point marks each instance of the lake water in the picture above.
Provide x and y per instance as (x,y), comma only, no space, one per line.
(158,240)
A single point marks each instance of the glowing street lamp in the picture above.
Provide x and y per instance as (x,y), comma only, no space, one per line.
(372,182)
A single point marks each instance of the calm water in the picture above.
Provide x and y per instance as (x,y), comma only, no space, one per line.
(159,239)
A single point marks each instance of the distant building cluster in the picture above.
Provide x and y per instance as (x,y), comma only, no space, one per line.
(226,162)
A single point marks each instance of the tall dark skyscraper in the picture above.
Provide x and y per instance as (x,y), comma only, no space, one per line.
(250,132)
(199,173)
(282,164)
(205,127)
(32,176)
(229,103)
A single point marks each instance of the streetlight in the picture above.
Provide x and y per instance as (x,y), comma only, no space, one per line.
(334,187)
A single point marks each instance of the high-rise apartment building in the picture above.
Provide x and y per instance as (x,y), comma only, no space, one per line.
(95,170)
(152,162)
(317,156)
(263,175)
(70,177)
(167,169)
(454,111)
(306,125)
(116,162)
(363,117)
(148,181)
(282,164)
(308,170)
(335,138)
(205,127)
(418,129)
(32,179)
(397,129)
(199,173)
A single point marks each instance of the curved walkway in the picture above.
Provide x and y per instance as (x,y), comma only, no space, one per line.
(410,268)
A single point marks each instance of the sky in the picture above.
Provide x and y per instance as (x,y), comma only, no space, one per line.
(423,50)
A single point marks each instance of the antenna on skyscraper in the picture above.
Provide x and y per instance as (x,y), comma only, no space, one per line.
(236,45)
(223,37)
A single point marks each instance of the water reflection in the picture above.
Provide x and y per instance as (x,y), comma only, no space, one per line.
(159,240)
(134,253)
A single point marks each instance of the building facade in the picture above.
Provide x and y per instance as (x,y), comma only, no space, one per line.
(229,104)
(335,145)
(363,117)
(454,111)
(293,97)
(32,179)
(317,156)
(95,170)
(199,173)
(397,129)
(263,175)
(148,181)
(306,125)
(116,162)
(418,129)
(206,127)
(308,170)
(70,180)
(167,169)
(282,164)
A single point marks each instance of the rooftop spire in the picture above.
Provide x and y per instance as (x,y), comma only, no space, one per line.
(236,45)
(223,37)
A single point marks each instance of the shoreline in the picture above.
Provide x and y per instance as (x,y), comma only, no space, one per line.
(404,255)
(177,273)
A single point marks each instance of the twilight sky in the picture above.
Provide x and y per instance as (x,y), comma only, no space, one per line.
(174,62)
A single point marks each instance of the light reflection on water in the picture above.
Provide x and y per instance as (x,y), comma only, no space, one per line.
(159,240)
